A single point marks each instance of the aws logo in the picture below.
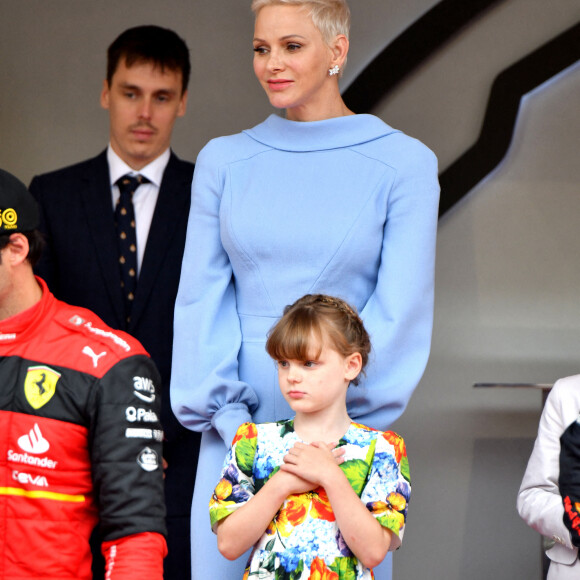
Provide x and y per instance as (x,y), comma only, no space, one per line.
(8,219)
(40,385)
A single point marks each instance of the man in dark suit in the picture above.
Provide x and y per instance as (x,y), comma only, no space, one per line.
(117,250)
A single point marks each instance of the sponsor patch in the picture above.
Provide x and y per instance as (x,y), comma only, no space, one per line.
(40,385)
(144,389)
(33,441)
(78,321)
(28,479)
(31,460)
(134,414)
(144,433)
(108,334)
(132,433)
(93,355)
(8,218)
(148,460)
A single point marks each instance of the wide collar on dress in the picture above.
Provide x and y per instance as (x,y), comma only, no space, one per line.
(333,133)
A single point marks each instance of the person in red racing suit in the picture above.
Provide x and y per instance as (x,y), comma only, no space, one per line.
(80,437)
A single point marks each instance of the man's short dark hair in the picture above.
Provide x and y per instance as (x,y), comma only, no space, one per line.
(160,46)
(35,245)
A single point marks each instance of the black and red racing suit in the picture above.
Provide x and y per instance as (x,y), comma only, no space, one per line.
(569,479)
(80,442)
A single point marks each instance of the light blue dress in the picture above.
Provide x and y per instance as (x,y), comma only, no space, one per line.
(344,206)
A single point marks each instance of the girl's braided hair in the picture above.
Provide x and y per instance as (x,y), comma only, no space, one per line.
(324,317)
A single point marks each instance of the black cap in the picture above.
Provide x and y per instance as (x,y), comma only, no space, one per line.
(18,209)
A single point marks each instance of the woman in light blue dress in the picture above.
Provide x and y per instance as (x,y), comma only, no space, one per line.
(321,201)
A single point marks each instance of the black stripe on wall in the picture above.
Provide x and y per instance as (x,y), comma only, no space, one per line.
(507,91)
(410,49)
(428,34)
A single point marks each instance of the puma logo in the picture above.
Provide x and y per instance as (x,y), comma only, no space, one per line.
(94,356)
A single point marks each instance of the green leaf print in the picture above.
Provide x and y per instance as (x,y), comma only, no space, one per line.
(286,427)
(356,471)
(245,453)
(294,575)
(270,545)
(345,568)
(371,451)
(392,522)
(405,471)
(219,514)
(270,562)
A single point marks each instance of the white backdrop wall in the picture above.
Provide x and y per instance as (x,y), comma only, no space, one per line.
(507,278)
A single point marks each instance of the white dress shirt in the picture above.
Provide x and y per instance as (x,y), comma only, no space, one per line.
(144,199)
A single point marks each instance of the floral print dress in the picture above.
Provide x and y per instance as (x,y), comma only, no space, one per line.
(303,541)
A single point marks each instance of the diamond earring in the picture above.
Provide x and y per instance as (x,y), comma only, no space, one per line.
(333,71)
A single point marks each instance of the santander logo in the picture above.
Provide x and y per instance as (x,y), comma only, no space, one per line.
(33,441)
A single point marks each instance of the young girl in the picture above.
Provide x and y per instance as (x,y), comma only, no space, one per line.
(318,496)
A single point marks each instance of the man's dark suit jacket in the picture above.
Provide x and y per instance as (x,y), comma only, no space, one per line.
(80,265)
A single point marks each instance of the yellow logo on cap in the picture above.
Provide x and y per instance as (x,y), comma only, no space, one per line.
(8,218)
(40,385)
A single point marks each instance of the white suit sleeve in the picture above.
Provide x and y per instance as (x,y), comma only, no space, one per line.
(539,503)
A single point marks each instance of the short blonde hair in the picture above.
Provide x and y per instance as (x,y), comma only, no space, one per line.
(331,17)
(319,316)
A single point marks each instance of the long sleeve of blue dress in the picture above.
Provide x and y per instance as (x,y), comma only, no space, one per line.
(399,313)
(207,336)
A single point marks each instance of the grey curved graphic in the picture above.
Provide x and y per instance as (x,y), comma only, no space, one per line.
(427,35)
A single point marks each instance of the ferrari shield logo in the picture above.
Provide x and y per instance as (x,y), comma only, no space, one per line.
(40,385)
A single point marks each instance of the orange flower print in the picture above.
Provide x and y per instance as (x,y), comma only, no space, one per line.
(319,571)
(281,524)
(223,489)
(246,431)
(296,509)
(362,427)
(396,502)
(314,503)
(321,508)
(271,529)
(392,509)
(398,444)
